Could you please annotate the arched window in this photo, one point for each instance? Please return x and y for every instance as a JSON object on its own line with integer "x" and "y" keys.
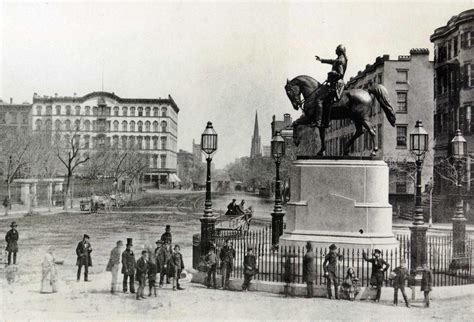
{"x": 78, "y": 110}
{"x": 39, "y": 125}
{"x": 140, "y": 126}
{"x": 88, "y": 110}
{"x": 140, "y": 111}
{"x": 155, "y": 161}
{"x": 124, "y": 111}
{"x": 124, "y": 126}
{"x": 147, "y": 111}
{"x": 94, "y": 110}
{"x": 116, "y": 126}
{"x": 58, "y": 109}
{"x": 68, "y": 110}
{"x": 116, "y": 111}
{"x": 87, "y": 140}
{"x": 140, "y": 142}
{"x": 87, "y": 125}
{"x": 77, "y": 125}
{"x": 57, "y": 125}
{"x": 67, "y": 125}
{"x": 38, "y": 109}
{"x": 94, "y": 126}
{"x": 163, "y": 161}
{"x": 147, "y": 143}
{"x": 48, "y": 125}
{"x": 155, "y": 111}
{"x": 155, "y": 126}
{"x": 132, "y": 126}
{"x": 147, "y": 126}
{"x": 164, "y": 111}
{"x": 49, "y": 110}
{"x": 132, "y": 111}
{"x": 131, "y": 141}
{"x": 13, "y": 117}
{"x": 115, "y": 141}
{"x": 163, "y": 142}
{"x": 163, "y": 126}
{"x": 155, "y": 143}
{"x": 124, "y": 142}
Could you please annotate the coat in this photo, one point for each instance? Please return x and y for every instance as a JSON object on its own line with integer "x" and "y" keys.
{"x": 128, "y": 262}
{"x": 338, "y": 65}
{"x": 163, "y": 259}
{"x": 309, "y": 267}
{"x": 379, "y": 266}
{"x": 141, "y": 268}
{"x": 152, "y": 270}
{"x": 211, "y": 261}
{"x": 250, "y": 265}
{"x": 227, "y": 256}
{"x": 330, "y": 262}
{"x": 400, "y": 277}
{"x": 114, "y": 259}
{"x": 12, "y": 240}
{"x": 83, "y": 252}
{"x": 426, "y": 280}
{"x": 176, "y": 263}
{"x": 166, "y": 237}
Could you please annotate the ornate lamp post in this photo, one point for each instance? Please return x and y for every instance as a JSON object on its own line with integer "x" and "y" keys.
{"x": 459, "y": 148}
{"x": 278, "y": 151}
{"x": 208, "y": 146}
{"x": 418, "y": 148}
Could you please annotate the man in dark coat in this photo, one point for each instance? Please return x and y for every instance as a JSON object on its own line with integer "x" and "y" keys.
{"x": 163, "y": 259}
{"x": 329, "y": 266}
{"x": 426, "y": 283}
{"x": 141, "y": 271}
{"x": 12, "y": 243}
{"x": 211, "y": 263}
{"x": 379, "y": 267}
{"x": 250, "y": 268}
{"x": 398, "y": 282}
{"x": 83, "y": 252}
{"x": 128, "y": 267}
{"x": 166, "y": 236}
{"x": 227, "y": 256}
{"x": 176, "y": 267}
{"x": 231, "y": 208}
{"x": 309, "y": 269}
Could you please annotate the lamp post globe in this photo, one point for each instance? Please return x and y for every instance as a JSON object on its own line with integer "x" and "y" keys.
{"x": 278, "y": 151}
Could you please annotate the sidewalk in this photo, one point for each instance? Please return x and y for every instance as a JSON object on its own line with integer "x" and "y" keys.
{"x": 403, "y": 224}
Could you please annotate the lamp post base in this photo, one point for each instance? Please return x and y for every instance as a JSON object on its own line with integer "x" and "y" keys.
{"x": 277, "y": 226}
{"x": 207, "y": 233}
{"x": 459, "y": 247}
{"x": 418, "y": 248}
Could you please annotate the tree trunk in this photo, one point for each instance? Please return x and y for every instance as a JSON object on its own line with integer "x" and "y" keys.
{"x": 9, "y": 194}
{"x": 66, "y": 191}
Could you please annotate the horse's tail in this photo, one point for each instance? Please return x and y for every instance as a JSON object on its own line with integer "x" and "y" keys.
{"x": 381, "y": 94}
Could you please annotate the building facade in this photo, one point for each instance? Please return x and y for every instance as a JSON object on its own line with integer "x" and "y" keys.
{"x": 453, "y": 90}
{"x": 256, "y": 144}
{"x": 409, "y": 83}
{"x": 15, "y": 116}
{"x": 103, "y": 118}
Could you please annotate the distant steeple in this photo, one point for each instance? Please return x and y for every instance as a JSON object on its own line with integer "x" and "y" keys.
{"x": 256, "y": 148}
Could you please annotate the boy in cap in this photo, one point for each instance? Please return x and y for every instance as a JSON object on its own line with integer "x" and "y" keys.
{"x": 329, "y": 266}
{"x": 142, "y": 269}
{"x": 250, "y": 268}
{"x": 426, "y": 283}
{"x": 398, "y": 282}
{"x": 128, "y": 267}
{"x": 113, "y": 265}
{"x": 83, "y": 252}
{"x": 379, "y": 267}
{"x": 176, "y": 266}
{"x": 12, "y": 242}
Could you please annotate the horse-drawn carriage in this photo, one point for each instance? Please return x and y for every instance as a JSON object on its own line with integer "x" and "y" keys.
{"x": 103, "y": 203}
{"x": 238, "y": 222}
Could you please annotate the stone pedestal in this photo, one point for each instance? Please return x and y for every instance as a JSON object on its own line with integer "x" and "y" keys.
{"x": 341, "y": 201}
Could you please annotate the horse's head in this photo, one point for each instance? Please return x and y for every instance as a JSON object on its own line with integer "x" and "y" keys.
{"x": 294, "y": 94}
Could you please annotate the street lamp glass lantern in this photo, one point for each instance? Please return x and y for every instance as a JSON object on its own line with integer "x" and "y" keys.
{"x": 209, "y": 140}
{"x": 278, "y": 146}
{"x": 419, "y": 140}
{"x": 459, "y": 145}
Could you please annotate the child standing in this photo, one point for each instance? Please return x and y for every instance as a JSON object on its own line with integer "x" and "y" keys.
{"x": 250, "y": 268}
{"x": 152, "y": 271}
{"x": 350, "y": 287}
{"x": 211, "y": 263}
{"x": 426, "y": 283}
{"x": 398, "y": 282}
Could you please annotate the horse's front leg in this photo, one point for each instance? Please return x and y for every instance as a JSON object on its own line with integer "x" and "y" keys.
{"x": 322, "y": 138}
{"x": 370, "y": 129}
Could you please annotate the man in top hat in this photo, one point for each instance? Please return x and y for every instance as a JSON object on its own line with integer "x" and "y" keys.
{"x": 329, "y": 266}
{"x": 83, "y": 252}
{"x": 309, "y": 269}
{"x": 128, "y": 267}
{"x": 379, "y": 266}
{"x": 142, "y": 269}
{"x": 113, "y": 265}
{"x": 166, "y": 237}
{"x": 250, "y": 268}
{"x": 12, "y": 242}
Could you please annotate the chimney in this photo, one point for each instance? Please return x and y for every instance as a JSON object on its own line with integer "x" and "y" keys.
{"x": 55, "y": 94}
{"x": 75, "y": 94}
{"x": 287, "y": 119}
{"x": 11, "y": 100}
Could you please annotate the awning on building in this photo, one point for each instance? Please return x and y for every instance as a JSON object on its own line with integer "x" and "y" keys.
{"x": 174, "y": 178}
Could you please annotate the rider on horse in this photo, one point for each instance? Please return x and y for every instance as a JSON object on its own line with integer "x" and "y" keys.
{"x": 333, "y": 88}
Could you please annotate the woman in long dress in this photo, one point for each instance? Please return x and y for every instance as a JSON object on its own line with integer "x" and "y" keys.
{"x": 49, "y": 272}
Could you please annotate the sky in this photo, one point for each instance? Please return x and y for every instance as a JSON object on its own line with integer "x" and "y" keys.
{"x": 220, "y": 61}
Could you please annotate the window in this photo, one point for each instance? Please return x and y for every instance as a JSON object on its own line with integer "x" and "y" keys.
{"x": 449, "y": 49}
{"x": 115, "y": 141}
{"x": 470, "y": 75}
{"x": 38, "y": 125}
{"x": 131, "y": 141}
{"x": 124, "y": 126}
{"x": 67, "y": 125}
{"x": 163, "y": 161}
{"x": 402, "y": 102}
{"x": 57, "y": 125}
{"x": 116, "y": 126}
{"x": 38, "y": 110}
{"x": 124, "y": 142}
{"x": 163, "y": 142}
{"x": 68, "y": 110}
{"x": 13, "y": 117}
{"x": 147, "y": 143}
{"x": 94, "y": 126}
{"x": 147, "y": 126}
{"x": 58, "y": 109}
{"x": 48, "y": 125}
{"x": 3, "y": 120}
{"x": 155, "y": 111}
{"x": 140, "y": 142}
{"x": 124, "y": 111}
{"x": 25, "y": 118}
{"x": 132, "y": 111}
{"x": 94, "y": 110}
{"x": 87, "y": 125}
{"x": 88, "y": 110}
{"x": 164, "y": 111}
{"x": 455, "y": 46}
{"x": 401, "y": 136}
{"x": 132, "y": 126}
{"x": 147, "y": 111}
{"x": 402, "y": 76}
{"x": 49, "y": 110}
{"x": 87, "y": 140}
{"x": 78, "y": 110}
{"x": 155, "y": 126}
{"x": 116, "y": 111}
{"x": 163, "y": 126}
{"x": 140, "y": 126}
{"x": 155, "y": 143}
{"x": 155, "y": 161}
{"x": 77, "y": 125}
{"x": 140, "y": 111}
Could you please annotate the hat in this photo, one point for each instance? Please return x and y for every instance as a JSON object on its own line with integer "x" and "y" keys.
{"x": 177, "y": 246}
{"x": 13, "y": 224}
{"x": 333, "y": 246}
{"x": 168, "y": 226}
{"x": 85, "y": 236}
{"x": 249, "y": 248}
{"x": 129, "y": 242}
{"x": 144, "y": 252}
{"x": 377, "y": 251}
{"x": 233, "y": 200}
{"x": 309, "y": 245}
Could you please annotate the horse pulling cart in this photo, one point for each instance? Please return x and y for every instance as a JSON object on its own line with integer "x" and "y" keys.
{"x": 102, "y": 203}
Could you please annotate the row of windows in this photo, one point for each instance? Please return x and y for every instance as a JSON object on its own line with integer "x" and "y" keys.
{"x": 102, "y": 126}
{"x": 124, "y": 142}
{"x": 450, "y": 48}
{"x": 126, "y": 111}
{"x": 12, "y": 118}
{"x": 449, "y": 122}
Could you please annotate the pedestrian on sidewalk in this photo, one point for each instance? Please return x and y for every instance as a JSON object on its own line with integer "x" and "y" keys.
{"x": 166, "y": 237}
{"x": 379, "y": 267}
{"x": 11, "y": 238}
{"x": 350, "y": 287}
{"x": 329, "y": 266}
{"x": 250, "y": 268}
{"x": 211, "y": 263}
{"x": 426, "y": 283}
{"x": 49, "y": 272}
{"x": 113, "y": 265}
{"x": 309, "y": 269}
{"x": 398, "y": 282}
{"x": 142, "y": 269}
{"x": 152, "y": 271}
{"x": 227, "y": 255}
{"x": 83, "y": 252}
{"x": 128, "y": 267}
{"x": 176, "y": 267}
{"x": 164, "y": 257}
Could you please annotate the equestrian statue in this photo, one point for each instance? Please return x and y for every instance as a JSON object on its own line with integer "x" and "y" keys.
{"x": 330, "y": 101}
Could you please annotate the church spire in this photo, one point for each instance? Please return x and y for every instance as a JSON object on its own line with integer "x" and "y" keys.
{"x": 256, "y": 148}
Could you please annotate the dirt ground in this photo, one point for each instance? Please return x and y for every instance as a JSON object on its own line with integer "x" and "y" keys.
{"x": 93, "y": 301}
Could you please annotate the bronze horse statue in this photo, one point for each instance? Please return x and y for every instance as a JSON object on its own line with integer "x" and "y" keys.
{"x": 355, "y": 104}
